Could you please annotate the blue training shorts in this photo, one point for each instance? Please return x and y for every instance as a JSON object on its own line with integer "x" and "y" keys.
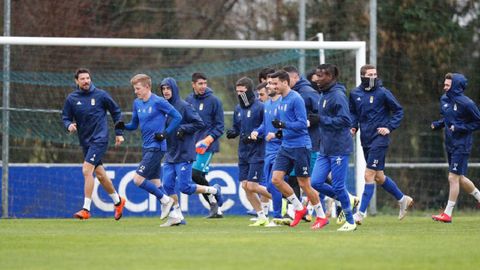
{"x": 202, "y": 162}
{"x": 252, "y": 172}
{"x": 150, "y": 165}
{"x": 458, "y": 163}
{"x": 375, "y": 157}
{"x": 94, "y": 152}
{"x": 293, "y": 158}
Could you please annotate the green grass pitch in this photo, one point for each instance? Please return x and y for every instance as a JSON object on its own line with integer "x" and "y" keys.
{"x": 382, "y": 242}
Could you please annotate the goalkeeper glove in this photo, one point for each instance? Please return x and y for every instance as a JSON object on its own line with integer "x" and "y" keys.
{"x": 202, "y": 146}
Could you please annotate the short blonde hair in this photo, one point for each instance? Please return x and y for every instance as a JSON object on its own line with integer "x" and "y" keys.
{"x": 144, "y": 79}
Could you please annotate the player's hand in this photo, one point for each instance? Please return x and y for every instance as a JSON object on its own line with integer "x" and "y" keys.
{"x": 231, "y": 134}
{"x": 279, "y": 134}
{"x": 180, "y": 133}
{"x": 160, "y": 136}
{"x": 383, "y": 131}
{"x": 120, "y": 125}
{"x": 278, "y": 124}
{"x": 254, "y": 135}
{"x": 119, "y": 140}
{"x": 247, "y": 140}
{"x": 72, "y": 128}
{"x": 353, "y": 131}
{"x": 314, "y": 119}
{"x": 270, "y": 136}
{"x": 432, "y": 126}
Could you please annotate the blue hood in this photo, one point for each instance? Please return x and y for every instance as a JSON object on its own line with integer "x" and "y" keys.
{"x": 459, "y": 83}
{"x": 173, "y": 85}
{"x": 301, "y": 83}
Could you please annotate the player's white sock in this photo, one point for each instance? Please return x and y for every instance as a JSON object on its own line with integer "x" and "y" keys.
{"x": 265, "y": 207}
{"x": 449, "y": 208}
{"x": 115, "y": 197}
{"x": 210, "y": 190}
{"x": 165, "y": 199}
{"x": 261, "y": 215}
{"x": 297, "y": 205}
{"x": 476, "y": 194}
{"x": 319, "y": 210}
{"x": 402, "y": 199}
{"x": 86, "y": 203}
{"x": 212, "y": 199}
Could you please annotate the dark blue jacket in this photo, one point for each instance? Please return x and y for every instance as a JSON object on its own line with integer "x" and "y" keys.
{"x": 460, "y": 112}
{"x": 311, "y": 98}
{"x": 335, "y": 137}
{"x": 89, "y": 110}
{"x": 182, "y": 149}
{"x": 245, "y": 120}
{"x": 210, "y": 109}
{"x": 373, "y": 109}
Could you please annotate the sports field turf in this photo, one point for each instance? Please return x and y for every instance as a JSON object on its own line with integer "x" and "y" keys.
{"x": 139, "y": 243}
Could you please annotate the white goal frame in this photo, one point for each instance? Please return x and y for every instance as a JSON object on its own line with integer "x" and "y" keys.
{"x": 359, "y": 47}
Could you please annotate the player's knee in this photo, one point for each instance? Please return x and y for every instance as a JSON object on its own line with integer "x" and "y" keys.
{"x": 187, "y": 189}
{"x": 138, "y": 180}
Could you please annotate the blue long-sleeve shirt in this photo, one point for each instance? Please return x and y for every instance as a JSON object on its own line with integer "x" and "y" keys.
{"x": 88, "y": 109}
{"x": 245, "y": 120}
{"x": 210, "y": 109}
{"x": 293, "y": 114}
{"x": 462, "y": 113}
{"x": 311, "y": 98}
{"x": 373, "y": 109}
{"x": 151, "y": 116}
{"x": 270, "y": 112}
{"x": 335, "y": 122}
{"x": 182, "y": 149}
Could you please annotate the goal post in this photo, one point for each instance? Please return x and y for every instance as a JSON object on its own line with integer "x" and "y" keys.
{"x": 358, "y": 47}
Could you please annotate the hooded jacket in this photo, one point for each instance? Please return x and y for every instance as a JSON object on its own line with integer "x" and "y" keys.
{"x": 335, "y": 138}
{"x": 182, "y": 149}
{"x": 210, "y": 109}
{"x": 245, "y": 120}
{"x": 311, "y": 98}
{"x": 373, "y": 109}
{"x": 461, "y": 113}
{"x": 88, "y": 109}
{"x": 293, "y": 114}
{"x": 270, "y": 112}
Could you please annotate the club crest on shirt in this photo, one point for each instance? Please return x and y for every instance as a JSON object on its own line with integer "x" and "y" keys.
{"x": 455, "y": 106}
{"x": 200, "y": 107}
{"x": 92, "y": 101}
{"x": 79, "y": 103}
{"x": 338, "y": 160}
{"x": 371, "y": 99}
{"x": 249, "y": 113}
{"x": 150, "y": 109}
{"x": 324, "y": 103}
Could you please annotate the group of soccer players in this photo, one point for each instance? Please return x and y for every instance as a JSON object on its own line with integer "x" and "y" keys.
{"x": 295, "y": 137}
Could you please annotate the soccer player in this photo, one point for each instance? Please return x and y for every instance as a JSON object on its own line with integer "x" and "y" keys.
{"x": 294, "y": 152}
{"x": 85, "y": 112}
{"x": 150, "y": 112}
{"x": 336, "y": 142}
{"x": 460, "y": 117}
{"x": 247, "y": 116}
{"x": 210, "y": 109}
{"x": 377, "y": 113}
{"x": 181, "y": 153}
{"x": 272, "y": 137}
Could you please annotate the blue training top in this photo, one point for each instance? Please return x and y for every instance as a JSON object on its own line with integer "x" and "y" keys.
{"x": 293, "y": 114}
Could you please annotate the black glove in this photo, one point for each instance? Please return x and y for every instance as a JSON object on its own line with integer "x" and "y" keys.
{"x": 278, "y": 124}
{"x": 180, "y": 133}
{"x": 160, "y": 136}
{"x": 231, "y": 134}
{"x": 120, "y": 125}
{"x": 247, "y": 140}
{"x": 279, "y": 134}
{"x": 314, "y": 119}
